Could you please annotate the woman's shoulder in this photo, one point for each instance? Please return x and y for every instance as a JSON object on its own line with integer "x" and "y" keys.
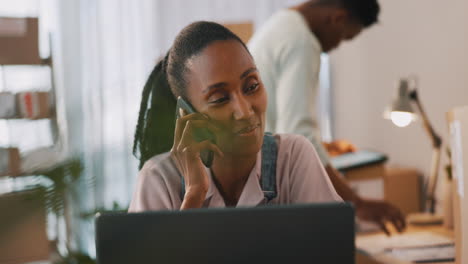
{"x": 292, "y": 141}
{"x": 294, "y": 147}
{"x": 161, "y": 166}
{"x": 158, "y": 185}
{"x": 163, "y": 159}
{"x": 301, "y": 171}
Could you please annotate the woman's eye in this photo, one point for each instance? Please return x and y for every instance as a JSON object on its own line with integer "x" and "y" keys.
{"x": 252, "y": 88}
{"x": 218, "y": 100}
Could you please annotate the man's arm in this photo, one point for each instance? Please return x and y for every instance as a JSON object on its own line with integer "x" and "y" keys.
{"x": 379, "y": 212}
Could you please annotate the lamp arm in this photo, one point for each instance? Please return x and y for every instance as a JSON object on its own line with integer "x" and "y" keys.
{"x": 435, "y": 138}
{"x": 435, "y": 164}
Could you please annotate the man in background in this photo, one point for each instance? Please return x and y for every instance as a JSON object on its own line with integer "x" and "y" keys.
{"x": 287, "y": 51}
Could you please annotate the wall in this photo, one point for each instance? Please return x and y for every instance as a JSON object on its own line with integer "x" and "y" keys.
{"x": 428, "y": 38}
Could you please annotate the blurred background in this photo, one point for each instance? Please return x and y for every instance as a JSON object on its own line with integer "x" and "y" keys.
{"x": 93, "y": 58}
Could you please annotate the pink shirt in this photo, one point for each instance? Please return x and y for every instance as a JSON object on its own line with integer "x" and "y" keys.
{"x": 300, "y": 178}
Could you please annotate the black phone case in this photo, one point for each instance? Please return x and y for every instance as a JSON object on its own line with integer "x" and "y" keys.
{"x": 200, "y": 135}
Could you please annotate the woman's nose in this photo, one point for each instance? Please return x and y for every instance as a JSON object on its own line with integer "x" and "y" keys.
{"x": 242, "y": 108}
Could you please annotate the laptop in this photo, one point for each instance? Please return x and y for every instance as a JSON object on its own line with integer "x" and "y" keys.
{"x": 312, "y": 233}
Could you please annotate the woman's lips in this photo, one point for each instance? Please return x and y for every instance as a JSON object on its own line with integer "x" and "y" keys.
{"x": 248, "y": 131}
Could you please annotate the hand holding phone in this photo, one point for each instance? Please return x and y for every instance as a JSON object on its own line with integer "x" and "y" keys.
{"x": 193, "y": 149}
{"x": 199, "y": 134}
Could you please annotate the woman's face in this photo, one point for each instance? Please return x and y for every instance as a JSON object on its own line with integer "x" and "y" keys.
{"x": 224, "y": 83}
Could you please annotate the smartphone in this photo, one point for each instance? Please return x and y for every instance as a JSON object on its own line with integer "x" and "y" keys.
{"x": 200, "y": 135}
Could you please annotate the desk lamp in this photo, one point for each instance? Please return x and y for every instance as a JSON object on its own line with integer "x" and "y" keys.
{"x": 401, "y": 113}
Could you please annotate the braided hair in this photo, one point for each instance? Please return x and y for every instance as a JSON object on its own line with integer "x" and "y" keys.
{"x": 154, "y": 132}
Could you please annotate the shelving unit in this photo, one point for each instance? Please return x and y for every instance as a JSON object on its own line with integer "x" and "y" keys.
{"x": 19, "y": 45}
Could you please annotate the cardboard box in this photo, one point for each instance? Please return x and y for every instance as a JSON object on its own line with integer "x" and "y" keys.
{"x": 375, "y": 171}
{"x": 243, "y": 30}
{"x": 403, "y": 188}
{"x": 458, "y": 127}
{"x": 19, "y": 41}
{"x": 7, "y": 105}
{"x": 23, "y": 236}
{"x": 33, "y": 105}
{"x": 10, "y": 162}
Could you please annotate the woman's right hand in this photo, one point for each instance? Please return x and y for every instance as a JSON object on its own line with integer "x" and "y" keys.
{"x": 186, "y": 154}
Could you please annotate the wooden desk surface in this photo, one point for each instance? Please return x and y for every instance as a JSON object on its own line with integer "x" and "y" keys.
{"x": 362, "y": 258}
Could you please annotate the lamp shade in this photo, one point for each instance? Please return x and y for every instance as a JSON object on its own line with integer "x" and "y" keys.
{"x": 400, "y": 111}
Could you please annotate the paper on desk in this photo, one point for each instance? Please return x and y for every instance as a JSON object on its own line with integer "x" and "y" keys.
{"x": 422, "y": 254}
{"x": 375, "y": 244}
{"x": 457, "y": 155}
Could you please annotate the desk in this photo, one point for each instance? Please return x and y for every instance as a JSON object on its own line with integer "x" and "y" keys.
{"x": 362, "y": 258}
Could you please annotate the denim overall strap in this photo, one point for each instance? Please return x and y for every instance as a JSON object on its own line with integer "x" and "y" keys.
{"x": 268, "y": 171}
{"x": 182, "y": 189}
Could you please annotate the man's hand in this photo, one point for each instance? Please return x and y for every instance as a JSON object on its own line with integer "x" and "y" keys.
{"x": 339, "y": 147}
{"x": 376, "y": 211}
{"x": 380, "y": 212}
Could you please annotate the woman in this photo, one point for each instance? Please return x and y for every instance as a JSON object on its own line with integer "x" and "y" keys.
{"x": 211, "y": 68}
